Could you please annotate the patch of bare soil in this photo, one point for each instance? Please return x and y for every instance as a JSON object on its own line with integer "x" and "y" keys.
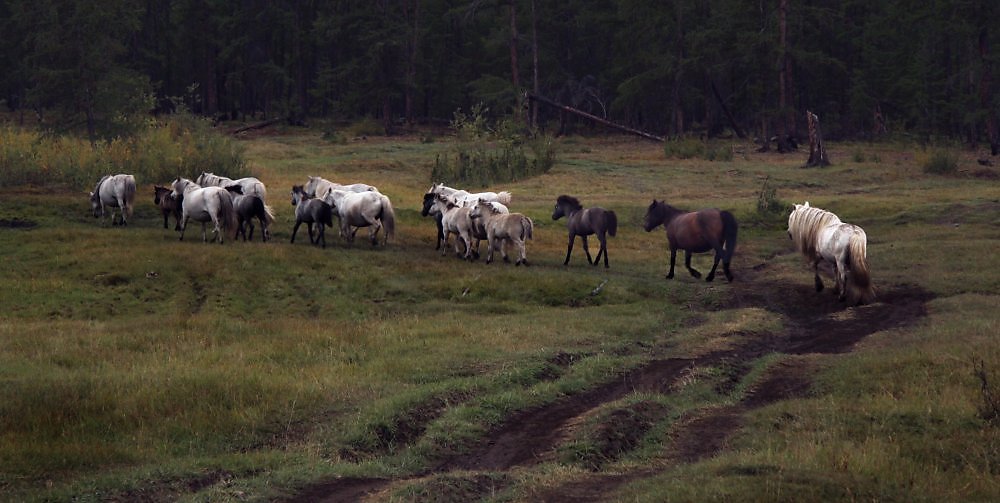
{"x": 816, "y": 323}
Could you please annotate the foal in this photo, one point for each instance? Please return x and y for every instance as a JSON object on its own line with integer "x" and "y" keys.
{"x": 584, "y": 222}
{"x": 168, "y": 205}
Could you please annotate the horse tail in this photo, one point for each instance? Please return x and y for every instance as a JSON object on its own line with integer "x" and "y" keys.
{"x": 228, "y": 213}
{"x": 612, "y": 222}
{"x": 388, "y": 219}
{"x": 268, "y": 213}
{"x": 729, "y": 231}
{"x": 526, "y": 227}
{"x": 129, "y": 196}
{"x": 859, "y": 283}
{"x": 503, "y": 197}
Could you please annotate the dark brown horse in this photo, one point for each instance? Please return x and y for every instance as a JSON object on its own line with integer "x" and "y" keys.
{"x": 584, "y": 222}
{"x": 167, "y": 205}
{"x": 695, "y": 232}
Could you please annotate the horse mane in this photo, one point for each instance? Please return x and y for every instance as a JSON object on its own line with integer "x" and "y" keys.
{"x": 804, "y": 225}
{"x": 97, "y": 187}
{"x": 570, "y": 201}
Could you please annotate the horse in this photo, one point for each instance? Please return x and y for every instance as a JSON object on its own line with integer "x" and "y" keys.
{"x": 584, "y": 222}
{"x": 247, "y": 208}
{"x": 464, "y": 196}
{"x": 114, "y": 191}
{"x": 363, "y": 209}
{"x": 511, "y": 227}
{"x": 310, "y": 210}
{"x": 455, "y": 219}
{"x": 461, "y": 197}
{"x": 205, "y": 204}
{"x": 167, "y": 205}
{"x": 695, "y": 232}
{"x": 318, "y": 185}
{"x": 250, "y": 185}
{"x": 820, "y": 236}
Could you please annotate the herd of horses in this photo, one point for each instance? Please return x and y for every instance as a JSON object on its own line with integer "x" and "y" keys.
{"x": 231, "y": 206}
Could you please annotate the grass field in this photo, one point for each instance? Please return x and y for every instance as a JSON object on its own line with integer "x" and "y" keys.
{"x": 138, "y": 367}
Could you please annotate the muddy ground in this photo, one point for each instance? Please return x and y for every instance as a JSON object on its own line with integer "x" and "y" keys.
{"x": 815, "y": 323}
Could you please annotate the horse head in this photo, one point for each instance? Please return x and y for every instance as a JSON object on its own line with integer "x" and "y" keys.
{"x": 654, "y": 215}
{"x": 298, "y": 194}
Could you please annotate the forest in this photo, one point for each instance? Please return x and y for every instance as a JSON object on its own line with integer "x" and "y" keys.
{"x": 705, "y": 68}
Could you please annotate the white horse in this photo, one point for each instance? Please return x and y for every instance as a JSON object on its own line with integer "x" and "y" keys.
{"x": 114, "y": 191}
{"x": 820, "y": 236}
{"x": 205, "y": 204}
{"x": 318, "y": 185}
{"x": 250, "y": 185}
{"x": 455, "y": 219}
{"x": 469, "y": 198}
{"x": 363, "y": 209}
{"x": 514, "y": 228}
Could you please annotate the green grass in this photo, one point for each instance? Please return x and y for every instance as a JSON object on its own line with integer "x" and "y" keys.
{"x": 133, "y": 363}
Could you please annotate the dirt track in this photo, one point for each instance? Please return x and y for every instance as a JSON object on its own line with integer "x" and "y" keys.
{"x": 815, "y": 323}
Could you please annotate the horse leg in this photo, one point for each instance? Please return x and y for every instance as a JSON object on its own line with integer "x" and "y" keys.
{"x": 819, "y": 282}
{"x": 184, "y": 227}
{"x": 841, "y": 274}
{"x": 569, "y": 248}
{"x": 309, "y": 227}
{"x": 440, "y": 228}
{"x": 715, "y": 264}
{"x": 165, "y": 215}
{"x": 687, "y": 263}
{"x": 604, "y": 249}
{"x": 321, "y": 234}
{"x": 204, "y": 236}
{"x": 296, "y": 229}
{"x": 522, "y": 254}
{"x": 673, "y": 259}
{"x": 586, "y": 249}
{"x": 490, "y": 242}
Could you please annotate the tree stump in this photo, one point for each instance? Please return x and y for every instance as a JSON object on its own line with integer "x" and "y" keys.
{"x": 817, "y": 152}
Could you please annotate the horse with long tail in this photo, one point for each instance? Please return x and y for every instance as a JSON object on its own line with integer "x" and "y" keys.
{"x": 114, "y": 191}
{"x": 205, "y": 204}
{"x": 820, "y": 236}
{"x": 584, "y": 222}
{"x": 695, "y": 232}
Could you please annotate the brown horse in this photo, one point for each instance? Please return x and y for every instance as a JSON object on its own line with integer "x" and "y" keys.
{"x": 168, "y": 205}
{"x": 584, "y": 222}
{"x": 695, "y": 232}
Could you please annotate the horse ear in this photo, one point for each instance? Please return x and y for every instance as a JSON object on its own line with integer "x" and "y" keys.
{"x": 806, "y": 205}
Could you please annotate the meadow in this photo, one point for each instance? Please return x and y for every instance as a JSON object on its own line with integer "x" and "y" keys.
{"x": 139, "y": 367}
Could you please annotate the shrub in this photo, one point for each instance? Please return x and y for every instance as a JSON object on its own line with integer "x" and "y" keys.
{"x": 366, "y": 127}
{"x": 183, "y": 145}
{"x": 487, "y": 153}
{"x": 684, "y": 148}
{"x": 941, "y": 162}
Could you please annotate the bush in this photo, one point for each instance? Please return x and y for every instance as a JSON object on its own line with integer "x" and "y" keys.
{"x": 684, "y": 148}
{"x": 183, "y": 145}
{"x": 489, "y": 153}
{"x": 941, "y": 162}
{"x": 366, "y": 127}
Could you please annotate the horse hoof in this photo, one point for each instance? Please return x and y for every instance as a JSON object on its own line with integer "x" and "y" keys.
{"x": 670, "y": 276}
{"x": 709, "y": 279}
{"x": 696, "y": 274}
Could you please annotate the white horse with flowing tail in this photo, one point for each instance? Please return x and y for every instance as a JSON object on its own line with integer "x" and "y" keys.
{"x": 820, "y": 236}
{"x": 363, "y": 209}
{"x": 514, "y": 228}
{"x": 322, "y": 186}
{"x": 205, "y": 204}
{"x": 114, "y": 191}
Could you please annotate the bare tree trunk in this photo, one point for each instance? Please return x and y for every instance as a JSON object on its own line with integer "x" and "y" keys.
{"x": 783, "y": 69}
{"x": 411, "y": 57}
{"x": 514, "y": 74}
{"x": 678, "y": 110}
{"x": 534, "y": 64}
{"x": 581, "y": 113}
{"x": 817, "y": 151}
{"x": 986, "y": 91}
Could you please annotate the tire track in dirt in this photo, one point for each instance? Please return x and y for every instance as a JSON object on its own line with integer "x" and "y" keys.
{"x": 815, "y": 323}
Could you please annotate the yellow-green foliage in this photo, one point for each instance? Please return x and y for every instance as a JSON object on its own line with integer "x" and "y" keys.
{"x": 179, "y": 146}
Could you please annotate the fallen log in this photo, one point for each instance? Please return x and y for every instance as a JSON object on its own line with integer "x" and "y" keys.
{"x": 256, "y": 125}
{"x": 581, "y": 113}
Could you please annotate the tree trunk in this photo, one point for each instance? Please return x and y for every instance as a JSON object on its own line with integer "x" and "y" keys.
{"x": 534, "y": 65}
{"x": 677, "y": 124}
{"x": 413, "y": 14}
{"x": 817, "y": 151}
{"x": 564, "y": 108}
{"x": 986, "y": 91}
{"x": 514, "y": 74}
{"x": 725, "y": 110}
{"x": 783, "y": 69}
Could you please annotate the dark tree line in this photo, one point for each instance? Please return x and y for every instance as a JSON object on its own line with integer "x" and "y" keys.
{"x": 672, "y": 68}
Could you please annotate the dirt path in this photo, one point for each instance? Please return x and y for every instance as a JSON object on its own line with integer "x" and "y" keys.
{"x": 815, "y": 323}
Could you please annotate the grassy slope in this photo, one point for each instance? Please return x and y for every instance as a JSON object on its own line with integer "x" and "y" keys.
{"x": 134, "y": 364}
